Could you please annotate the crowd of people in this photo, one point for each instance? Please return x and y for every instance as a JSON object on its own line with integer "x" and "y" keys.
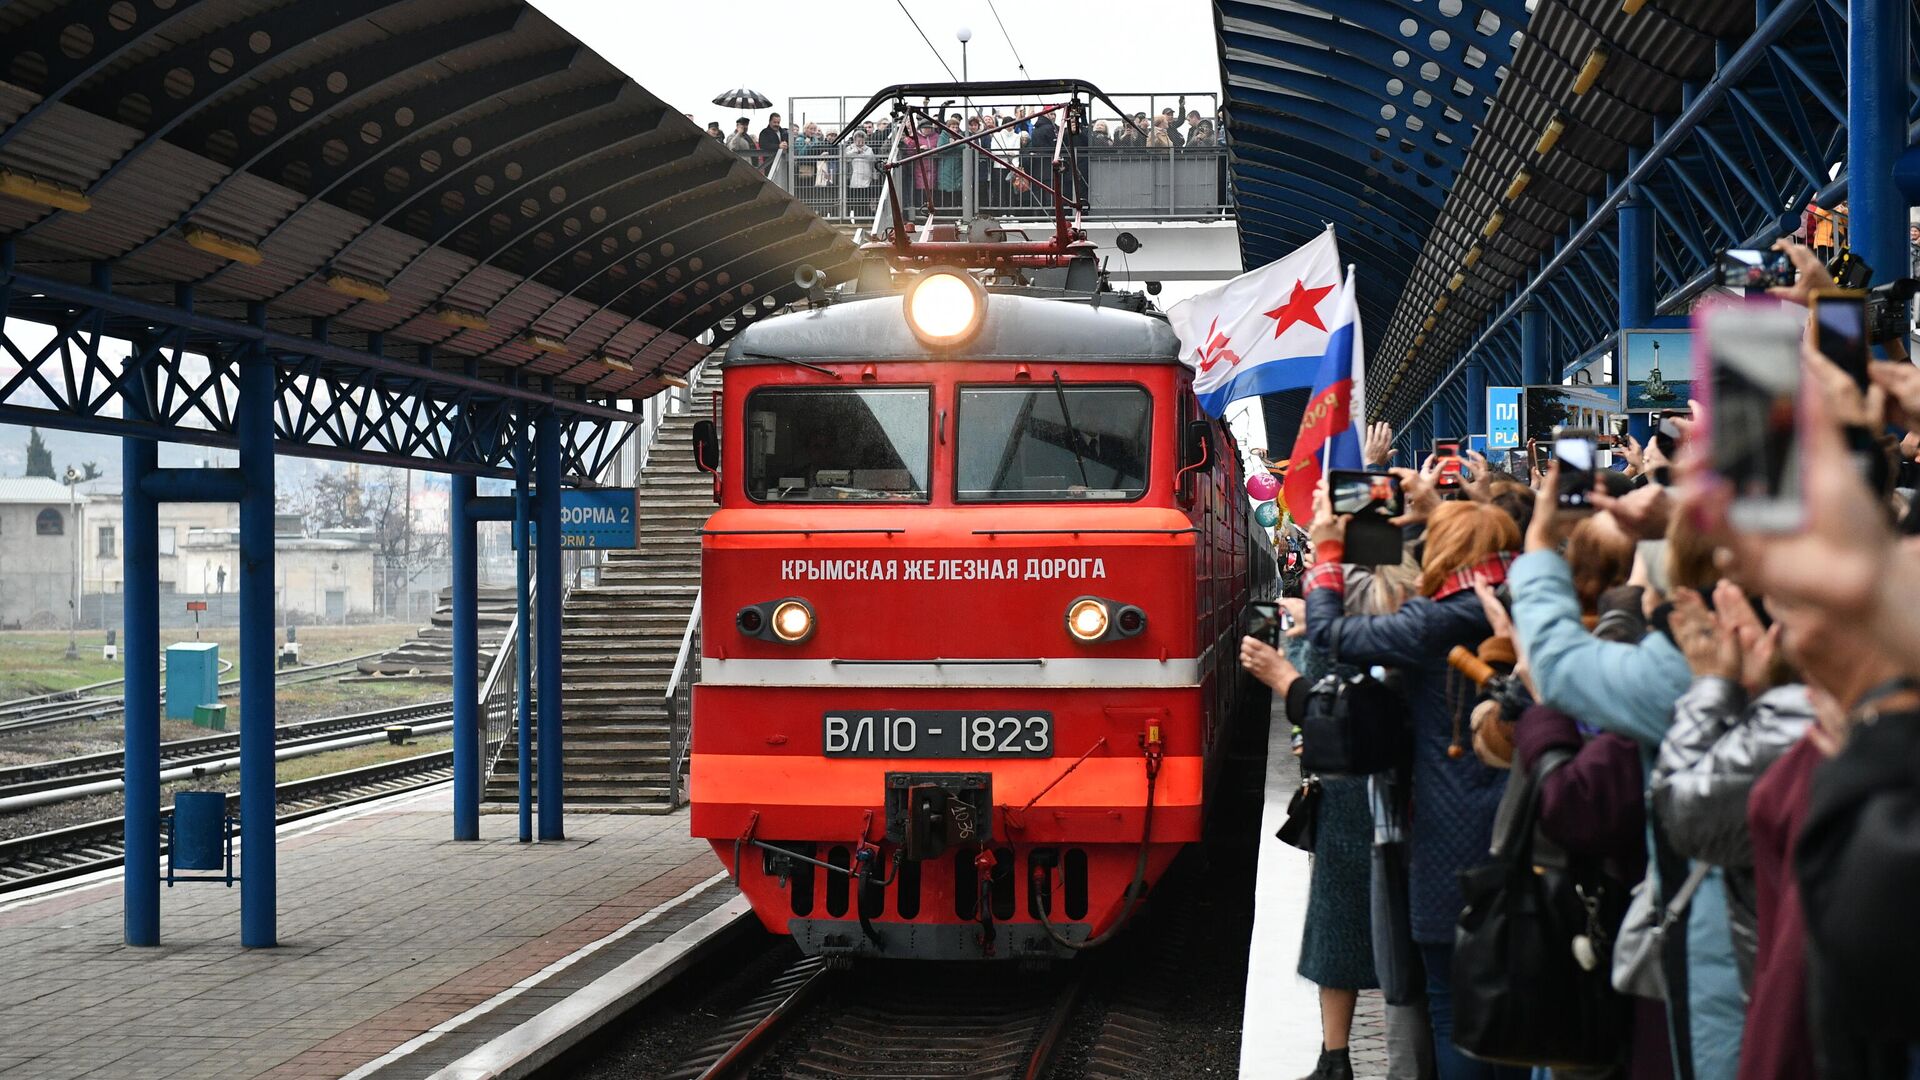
{"x": 1707, "y": 738}
{"x": 1022, "y": 139}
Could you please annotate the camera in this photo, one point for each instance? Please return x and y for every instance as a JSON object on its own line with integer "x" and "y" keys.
{"x": 1507, "y": 690}
{"x": 1890, "y": 309}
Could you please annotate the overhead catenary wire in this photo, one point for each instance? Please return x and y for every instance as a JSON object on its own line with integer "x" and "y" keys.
{"x": 1017, "y": 62}
{"x": 925, "y": 38}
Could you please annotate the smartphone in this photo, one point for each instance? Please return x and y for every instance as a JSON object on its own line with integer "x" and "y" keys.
{"x": 1666, "y": 434}
{"x": 1575, "y": 450}
{"x": 1542, "y": 457}
{"x": 1448, "y": 455}
{"x": 1264, "y": 621}
{"x": 1840, "y": 330}
{"x": 1376, "y": 494}
{"x": 1753, "y": 386}
{"x": 1754, "y": 268}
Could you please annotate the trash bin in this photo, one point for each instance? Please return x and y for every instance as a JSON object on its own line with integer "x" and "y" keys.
{"x": 199, "y": 838}
{"x": 193, "y": 677}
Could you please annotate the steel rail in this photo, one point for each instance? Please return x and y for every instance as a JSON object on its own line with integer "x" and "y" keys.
{"x": 99, "y": 708}
{"x": 96, "y": 845}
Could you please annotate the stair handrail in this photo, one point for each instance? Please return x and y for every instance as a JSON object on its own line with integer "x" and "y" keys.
{"x": 504, "y": 661}
{"x": 678, "y": 686}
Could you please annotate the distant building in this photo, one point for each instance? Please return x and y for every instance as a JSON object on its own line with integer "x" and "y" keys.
{"x": 328, "y": 578}
{"x": 39, "y": 525}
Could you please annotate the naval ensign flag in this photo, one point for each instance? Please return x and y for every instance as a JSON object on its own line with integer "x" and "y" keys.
{"x": 1264, "y": 331}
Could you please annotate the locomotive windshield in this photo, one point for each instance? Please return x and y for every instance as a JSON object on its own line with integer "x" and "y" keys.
{"x": 830, "y": 445}
{"x": 1059, "y": 442}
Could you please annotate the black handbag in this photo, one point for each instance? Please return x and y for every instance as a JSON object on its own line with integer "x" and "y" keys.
{"x": 1531, "y": 953}
{"x": 1354, "y": 725}
{"x": 1302, "y": 826}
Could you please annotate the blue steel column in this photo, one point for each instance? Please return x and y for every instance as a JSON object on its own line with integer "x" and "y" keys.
{"x": 1442, "y": 425}
{"x": 254, "y": 425}
{"x": 1636, "y": 264}
{"x": 523, "y": 600}
{"x": 1878, "y": 39}
{"x": 1476, "y": 396}
{"x": 1535, "y": 368}
{"x": 466, "y": 652}
{"x": 546, "y": 475}
{"x": 140, "y": 653}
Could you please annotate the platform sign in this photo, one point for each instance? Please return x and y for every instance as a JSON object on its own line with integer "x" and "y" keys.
{"x": 597, "y": 518}
{"x": 1503, "y": 417}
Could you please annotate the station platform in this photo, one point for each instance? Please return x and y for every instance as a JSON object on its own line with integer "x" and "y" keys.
{"x": 403, "y": 953}
{"x": 1280, "y": 1023}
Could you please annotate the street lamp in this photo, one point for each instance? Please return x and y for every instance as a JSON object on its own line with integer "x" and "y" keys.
{"x": 969, "y": 200}
{"x": 73, "y": 602}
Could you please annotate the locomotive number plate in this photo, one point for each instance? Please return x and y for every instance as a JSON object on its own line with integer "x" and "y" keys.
{"x": 939, "y": 733}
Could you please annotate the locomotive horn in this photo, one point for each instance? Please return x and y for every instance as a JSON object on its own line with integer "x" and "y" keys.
{"x": 806, "y": 276}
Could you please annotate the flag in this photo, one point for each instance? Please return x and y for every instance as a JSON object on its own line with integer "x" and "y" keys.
{"x": 1265, "y": 330}
{"x": 1336, "y": 413}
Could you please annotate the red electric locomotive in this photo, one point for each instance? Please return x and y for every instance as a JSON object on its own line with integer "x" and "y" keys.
{"x": 970, "y": 603}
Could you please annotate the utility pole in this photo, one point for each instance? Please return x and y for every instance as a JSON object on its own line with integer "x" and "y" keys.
{"x": 970, "y": 194}
{"x": 73, "y": 602}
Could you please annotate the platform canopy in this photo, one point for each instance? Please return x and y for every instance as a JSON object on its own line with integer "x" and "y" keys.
{"x": 458, "y": 182}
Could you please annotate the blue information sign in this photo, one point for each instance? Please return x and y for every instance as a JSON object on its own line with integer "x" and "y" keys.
{"x": 599, "y": 518}
{"x": 1503, "y": 417}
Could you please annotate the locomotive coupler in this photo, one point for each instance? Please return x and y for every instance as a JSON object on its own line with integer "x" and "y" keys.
{"x": 928, "y": 813}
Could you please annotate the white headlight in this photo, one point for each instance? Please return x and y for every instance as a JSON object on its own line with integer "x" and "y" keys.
{"x": 944, "y": 307}
{"x": 792, "y": 621}
{"x": 1087, "y": 620}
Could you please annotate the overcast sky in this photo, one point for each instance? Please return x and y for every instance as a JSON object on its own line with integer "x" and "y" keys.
{"x": 688, "y": 53}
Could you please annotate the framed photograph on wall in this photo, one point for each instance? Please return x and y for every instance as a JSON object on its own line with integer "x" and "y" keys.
{"x": 1659, "y": 365}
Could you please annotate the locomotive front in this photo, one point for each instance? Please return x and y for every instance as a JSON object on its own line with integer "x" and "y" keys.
{"x": 957, "y": 689}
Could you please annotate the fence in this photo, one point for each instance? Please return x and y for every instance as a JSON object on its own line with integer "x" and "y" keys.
{"x": 1119, "y": 182}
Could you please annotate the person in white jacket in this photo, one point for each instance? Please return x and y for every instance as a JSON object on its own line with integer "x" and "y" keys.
{"x": 859, "y": 159}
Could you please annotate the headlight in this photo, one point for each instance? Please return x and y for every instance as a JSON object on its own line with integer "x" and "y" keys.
{"x": 789, "y": 620}
{"x": 792, "y": 621}
{"x": 945, "y": 307}
{"x": 1087, "y": 619}
{"x": 1095, "y": 618}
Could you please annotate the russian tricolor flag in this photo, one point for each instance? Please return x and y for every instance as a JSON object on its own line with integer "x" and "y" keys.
{"x": 1335, "y": 415}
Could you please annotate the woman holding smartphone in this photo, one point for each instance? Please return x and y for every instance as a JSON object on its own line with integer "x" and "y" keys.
{"x": 1454, "y": 795}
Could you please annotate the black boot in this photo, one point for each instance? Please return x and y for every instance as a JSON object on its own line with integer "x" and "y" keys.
{"x": 1333, "y": 1065}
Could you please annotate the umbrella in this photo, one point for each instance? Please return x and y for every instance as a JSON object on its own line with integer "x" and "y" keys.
{"x": 743, "y": 99}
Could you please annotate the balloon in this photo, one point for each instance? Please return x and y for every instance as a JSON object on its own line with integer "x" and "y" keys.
{"x": 1262, "y": 486}
{"x": 1267, "y": 514}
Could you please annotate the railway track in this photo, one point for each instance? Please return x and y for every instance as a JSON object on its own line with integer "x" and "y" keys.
{"x": 87, "y": 703}
{"x": 820, "y": 1021}
{"x": 182, "y": 753}
{"x": 79, "y": 849}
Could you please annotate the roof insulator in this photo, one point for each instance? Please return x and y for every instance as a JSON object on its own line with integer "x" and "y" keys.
{"x": 224, "y": 246}
{"x": 543, "y": 343}
{"x": 357, "y": 287}
{"x": 460, "y": 317}
{"x": 1550, "y": 135}
{"x": 1590, "y": 71}
{"x": 52, "y": 193}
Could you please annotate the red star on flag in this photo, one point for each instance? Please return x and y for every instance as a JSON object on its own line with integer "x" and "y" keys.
{"x": 1299, "y": 308}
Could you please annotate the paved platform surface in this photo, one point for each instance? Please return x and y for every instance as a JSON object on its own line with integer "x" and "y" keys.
{"x": 402, "y": 953}
{"x": 1280, "y": 1026}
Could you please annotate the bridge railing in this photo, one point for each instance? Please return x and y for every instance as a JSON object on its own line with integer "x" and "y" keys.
{"x": 1120, "y": 183}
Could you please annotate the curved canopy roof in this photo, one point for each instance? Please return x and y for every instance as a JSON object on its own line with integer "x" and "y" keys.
{"x": 460, "y": 174}
{"x": 1359, "y": 113}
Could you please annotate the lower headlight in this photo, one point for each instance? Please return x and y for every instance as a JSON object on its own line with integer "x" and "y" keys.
{"x": 792, "y": 621}
{"x": 1087, "y": 619}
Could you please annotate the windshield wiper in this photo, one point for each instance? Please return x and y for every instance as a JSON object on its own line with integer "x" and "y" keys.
{"x": 798, "y": 363}
{"x": 1073, "y": 433}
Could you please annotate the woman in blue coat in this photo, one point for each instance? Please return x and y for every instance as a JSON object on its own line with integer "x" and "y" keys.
{"x": 1454, "y": 795}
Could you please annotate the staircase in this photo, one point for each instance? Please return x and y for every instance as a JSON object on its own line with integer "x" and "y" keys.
{"x": 622, "y": 635}
{"x": 429, "y": 653}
